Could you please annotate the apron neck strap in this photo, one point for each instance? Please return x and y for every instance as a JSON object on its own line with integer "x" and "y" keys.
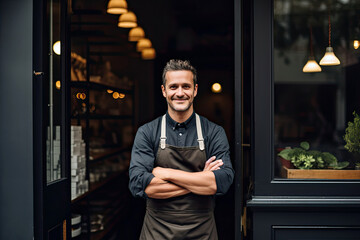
{"x": 163, "y": 133}
{"x": 199, "y": 133}
{"x": 198, "y": 129}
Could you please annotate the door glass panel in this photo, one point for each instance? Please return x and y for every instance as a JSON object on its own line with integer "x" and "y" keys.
{"x": 53, "y": 142}
{"x": 315, "y": 96}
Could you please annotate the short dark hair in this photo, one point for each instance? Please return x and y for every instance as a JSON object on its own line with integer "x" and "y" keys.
{"x": 178, "y": 65}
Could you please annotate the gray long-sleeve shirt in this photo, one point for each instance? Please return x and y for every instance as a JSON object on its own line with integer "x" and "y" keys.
{"x": 146, "y": 145}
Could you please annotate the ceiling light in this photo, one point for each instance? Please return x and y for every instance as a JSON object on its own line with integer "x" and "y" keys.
{"x": 148, "y": 53}
{"x": 136, "y": 34}
{"x": 142, "y": 44}
{"x": 127, "y": 20}
{"x": 329, "y": 58}
{"x": 117, "y": 7}
{"x": 311, "y": 65}
{"x": 57, "y": 47}
{"x": 58, "y": 85}
{"x": 216, "y": 88}
{"x": 356, "y": 44}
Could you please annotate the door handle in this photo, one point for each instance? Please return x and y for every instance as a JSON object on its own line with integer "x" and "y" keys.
{"x": 38, "y": 73}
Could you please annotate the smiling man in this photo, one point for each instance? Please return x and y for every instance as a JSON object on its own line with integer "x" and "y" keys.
{"x": 179, "y": 162}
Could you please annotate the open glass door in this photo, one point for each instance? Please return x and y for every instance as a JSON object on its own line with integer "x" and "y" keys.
{"x": 51, "y": 181}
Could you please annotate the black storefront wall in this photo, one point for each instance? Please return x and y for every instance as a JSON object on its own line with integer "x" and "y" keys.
{"x": 16, "y": 124}
{"x": 283, "y": 209}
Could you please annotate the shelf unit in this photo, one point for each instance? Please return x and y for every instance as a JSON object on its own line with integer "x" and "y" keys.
{"x": 113, "y": 154}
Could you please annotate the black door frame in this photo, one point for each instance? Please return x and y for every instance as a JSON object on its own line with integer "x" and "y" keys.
{"x": 238, "y": 78}
{"x": 51, "y": 201}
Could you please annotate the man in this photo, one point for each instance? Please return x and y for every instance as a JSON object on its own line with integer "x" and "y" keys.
{"x": 179, "y": 162}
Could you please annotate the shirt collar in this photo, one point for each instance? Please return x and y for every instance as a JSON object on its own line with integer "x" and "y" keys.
{"x": 175, "y": 125}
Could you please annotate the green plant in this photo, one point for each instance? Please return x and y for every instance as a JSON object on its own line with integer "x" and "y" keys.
{"x": 303, "y": 158}
{"x": 352, "y": 135}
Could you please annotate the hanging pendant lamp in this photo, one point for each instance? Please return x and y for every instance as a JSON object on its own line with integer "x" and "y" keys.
{"x": 329, "y": 58}
{"x": 127, "y": 20}
{"x": 117, "y": 7}
{"x": 143, "y": 44}
{"x": 148, "y": 53}
{"x": 136, "y": 34}
{"x": 311, "y": 65}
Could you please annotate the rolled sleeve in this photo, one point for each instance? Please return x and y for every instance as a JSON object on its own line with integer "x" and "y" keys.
{"x": 220, "y": 148}
{"x": 141, "y": 164}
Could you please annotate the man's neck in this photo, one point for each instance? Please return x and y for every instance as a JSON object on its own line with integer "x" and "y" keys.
{"x": 180, "y": 117}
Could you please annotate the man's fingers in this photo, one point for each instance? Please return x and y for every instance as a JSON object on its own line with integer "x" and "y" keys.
{"x": 216, "y": 165}
{"x": 208, "y": 162}
{"x": 215, "y": 162}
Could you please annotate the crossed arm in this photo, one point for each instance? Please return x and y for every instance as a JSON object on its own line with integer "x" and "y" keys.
{"x": 169, "y": 182}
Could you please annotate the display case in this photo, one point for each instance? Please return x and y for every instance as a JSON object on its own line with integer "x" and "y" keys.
{"x": 102, "y": 122}
{"x": 302, "y": 115}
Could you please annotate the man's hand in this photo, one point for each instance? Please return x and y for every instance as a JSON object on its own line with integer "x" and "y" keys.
{"x": 160, "y": 172}
{"x": 212, "y": 164}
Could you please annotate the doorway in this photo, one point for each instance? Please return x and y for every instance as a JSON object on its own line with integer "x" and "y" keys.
{"x": 200, "y": 31}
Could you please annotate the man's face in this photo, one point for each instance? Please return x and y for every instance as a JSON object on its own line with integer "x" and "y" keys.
{"x": 179, "y": 90}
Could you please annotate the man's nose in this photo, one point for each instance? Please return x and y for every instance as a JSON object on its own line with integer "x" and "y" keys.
{"x": 180, "y": 91}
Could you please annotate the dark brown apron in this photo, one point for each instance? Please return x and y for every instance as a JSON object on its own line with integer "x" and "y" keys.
{"x": 189, "y": 216}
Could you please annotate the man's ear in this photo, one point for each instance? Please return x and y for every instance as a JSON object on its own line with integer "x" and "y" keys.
{"x": 163, "y": 91}
{"x": 195, "y": 90}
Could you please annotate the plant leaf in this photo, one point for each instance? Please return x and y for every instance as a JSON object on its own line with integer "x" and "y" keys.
{"x": 305, "y": 145}
{"x": 329, "y": 159}
{"x": 341, "y": 165}
{"x": 285, "y": 153}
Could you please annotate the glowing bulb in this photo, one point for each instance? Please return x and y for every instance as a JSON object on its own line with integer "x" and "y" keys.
{"x": 329, "y": 58}
{"x": 311, "y": 66}
{"x": 58, "y": 85}
{"x": 109, "y": 91}
{"x": 57, "y": 47}
{"x": 78, "y": 95}
{"x": 116, "y": 95}
{"x": 121, "y": 95}
{"x": 216, "y": 88}
{"x": 83, "y": 96}
{"x": 356, "y": 44}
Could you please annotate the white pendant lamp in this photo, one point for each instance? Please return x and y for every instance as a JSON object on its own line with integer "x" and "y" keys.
{"x": 127, "y": 20}
{"x": 117, "y": 7}
{"x": 136, "y": 34}
{"x": 311, "y": 65}
{"x": 329, "y": 58}
{"x": 148, "y": 53}
{"x": 142, "y": 44}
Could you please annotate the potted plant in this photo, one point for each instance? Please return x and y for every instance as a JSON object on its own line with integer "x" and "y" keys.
{"x": 304, "y": 158}
{"x": 352, "y": 138}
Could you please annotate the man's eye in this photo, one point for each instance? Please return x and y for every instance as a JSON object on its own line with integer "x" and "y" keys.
{"x": 172, "y": 87}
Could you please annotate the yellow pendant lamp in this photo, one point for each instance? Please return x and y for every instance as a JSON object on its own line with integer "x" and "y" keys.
{"x": 329, "y": 58}
{"x": 148, "y": 53}
{"x": 311, "y": 65}
{"x": 127, "y": 20}
{"x": 136, "y": 34}
{"x": 117, "y": 7}
{"x": 143, "y": 44}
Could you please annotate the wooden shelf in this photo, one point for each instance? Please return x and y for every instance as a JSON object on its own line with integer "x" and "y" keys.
{"x": 101, "y": 116}
{"x": 319, "y": 173}
{"x": 98, "y": 86}
{"x": 107, "y": 153}
{"x": 95, "y": 186}
{"x": 111, "y": 222}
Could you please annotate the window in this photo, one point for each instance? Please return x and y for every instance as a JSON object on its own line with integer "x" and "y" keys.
{"x": 313, "y": 104}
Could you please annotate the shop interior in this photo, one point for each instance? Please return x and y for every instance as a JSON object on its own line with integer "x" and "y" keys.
{"x": 115, "y": 88}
